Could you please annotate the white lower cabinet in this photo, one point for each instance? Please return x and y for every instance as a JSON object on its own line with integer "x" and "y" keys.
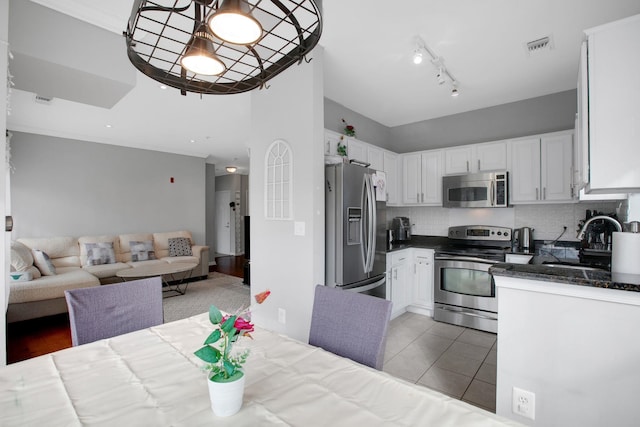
{"x": 422, "y": 284}
{"x": 399, "y": 280}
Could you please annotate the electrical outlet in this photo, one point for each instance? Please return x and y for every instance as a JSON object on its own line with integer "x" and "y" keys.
{"x": 282, "y": 315}
{"x": 524, "y": 403}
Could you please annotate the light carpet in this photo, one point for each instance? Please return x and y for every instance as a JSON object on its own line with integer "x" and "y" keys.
{"x": 228, "y": 293}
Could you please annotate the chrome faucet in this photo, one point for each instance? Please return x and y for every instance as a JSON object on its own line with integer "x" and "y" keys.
{"x": 606, "y": 218}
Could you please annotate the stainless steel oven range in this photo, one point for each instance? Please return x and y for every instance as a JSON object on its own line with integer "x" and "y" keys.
{"x": 464, "y": 291}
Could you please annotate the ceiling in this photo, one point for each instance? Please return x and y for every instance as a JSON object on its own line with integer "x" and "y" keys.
{"x": 368, "y": 49}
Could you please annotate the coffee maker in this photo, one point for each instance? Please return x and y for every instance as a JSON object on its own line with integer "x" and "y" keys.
{"x": 523, "y": 240}
{"x": 401, "y": 229}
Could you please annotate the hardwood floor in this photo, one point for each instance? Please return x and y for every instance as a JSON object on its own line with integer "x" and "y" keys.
{"x": 36, "y": 337}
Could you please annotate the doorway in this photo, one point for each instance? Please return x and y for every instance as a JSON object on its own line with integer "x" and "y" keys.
{"x": 225, "y": 228}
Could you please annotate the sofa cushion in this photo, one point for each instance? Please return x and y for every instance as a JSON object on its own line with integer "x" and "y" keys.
{"x": 142, "y": 250}
{"x": 175, "y": 259}
{"x": 161, "y": 241}
{"x": 179, "y": 246}
{"x": 102, "y": 271}
{"x": 100, "y": 253}
{"x": 63, "y": 251}
{"x": 51, "y": 287}
{"x": 82, "y": 241}
{"x": 43, "y": 262}
{"x": 124, "y": 254}
{"x": 21, "y": 257}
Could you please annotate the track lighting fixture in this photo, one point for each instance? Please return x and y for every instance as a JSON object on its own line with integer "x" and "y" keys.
{"x": 417, "y": 56}
{"x": 442, "y": 74}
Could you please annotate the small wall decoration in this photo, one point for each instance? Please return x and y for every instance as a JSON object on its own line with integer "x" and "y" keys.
{"x": 348, "y": 129}
{"x": 278, "y": 181}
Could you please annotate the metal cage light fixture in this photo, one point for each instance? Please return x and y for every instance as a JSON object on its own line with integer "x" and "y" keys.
{"x": 197, "y": 46}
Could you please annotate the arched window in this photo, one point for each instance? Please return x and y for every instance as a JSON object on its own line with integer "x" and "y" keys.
{"x": 278, "y": 185}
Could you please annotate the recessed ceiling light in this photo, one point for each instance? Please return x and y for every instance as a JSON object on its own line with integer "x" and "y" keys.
{"x": 163, "y": 87}
{"x": 192, "y": 140}
{"x": 108, "y": 126}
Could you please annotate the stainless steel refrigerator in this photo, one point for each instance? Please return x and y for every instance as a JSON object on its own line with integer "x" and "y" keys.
{"x": 355, "y": 226}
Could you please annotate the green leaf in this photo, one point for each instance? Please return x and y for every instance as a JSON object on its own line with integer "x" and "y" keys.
{"x": 208, "y": 354}
{"x": 214, "y": 337}
{"x": 227, "y": 326}
{"x": 229, "y": 367}
{"x": 214, "y": 315}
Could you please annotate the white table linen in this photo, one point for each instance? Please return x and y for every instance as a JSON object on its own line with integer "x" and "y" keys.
{"x": 152, "y": 378}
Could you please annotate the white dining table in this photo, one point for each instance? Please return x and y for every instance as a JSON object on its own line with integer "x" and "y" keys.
{"x": 151, "y": 378}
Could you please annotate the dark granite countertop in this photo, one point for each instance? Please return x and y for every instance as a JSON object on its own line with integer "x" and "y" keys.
{"x": 572, "y": 276}
{"x": 420, "y": 242}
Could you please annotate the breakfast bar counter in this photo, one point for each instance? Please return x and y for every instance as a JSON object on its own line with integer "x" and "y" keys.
{"x": 152, "y": 378}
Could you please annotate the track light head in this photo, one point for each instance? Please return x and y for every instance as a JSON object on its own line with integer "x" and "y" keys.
{"x": 417, "y": 56}
{"x": 455, "y": 92}
{"x": 440, "y": 76}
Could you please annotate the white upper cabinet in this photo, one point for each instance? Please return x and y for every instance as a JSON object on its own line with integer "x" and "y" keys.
{"x": 541, "y": 169}
{"x": 391, "y": 170}
{"x": 422, "y": 178}
{"x": 613, "y": 115}
{"x": 476, "y": 158}
{"x": 356, "y": 150}
{"x": 375, "y": 157}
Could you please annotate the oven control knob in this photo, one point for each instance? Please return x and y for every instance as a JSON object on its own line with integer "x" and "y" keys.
{"x": 506, "y": 234}
{"x": 499, "y": 233}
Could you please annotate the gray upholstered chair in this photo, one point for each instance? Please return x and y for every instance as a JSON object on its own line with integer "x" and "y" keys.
{"x": 109, "y": 310}
{"x": 350, "y": 324}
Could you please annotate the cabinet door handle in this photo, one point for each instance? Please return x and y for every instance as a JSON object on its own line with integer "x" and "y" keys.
{"x": 544, "y": 193}
{"x": 536, "y": 193}
{"x": 479, "y": 168}
{"x": 328, "y": 148}
{"x": 422, "y": 197}
{"x": 417, "y": 197}
{"x": 467, "y": 165}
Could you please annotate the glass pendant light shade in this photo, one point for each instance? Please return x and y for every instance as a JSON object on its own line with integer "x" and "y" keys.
{"x": 234, "y": 23}
{"x": 200, "y": 56}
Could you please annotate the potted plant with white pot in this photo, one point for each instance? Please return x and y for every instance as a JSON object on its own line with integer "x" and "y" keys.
{"x": 223, "y": 364}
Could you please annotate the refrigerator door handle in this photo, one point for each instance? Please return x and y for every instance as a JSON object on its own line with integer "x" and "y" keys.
{"x": 368, "y": 224}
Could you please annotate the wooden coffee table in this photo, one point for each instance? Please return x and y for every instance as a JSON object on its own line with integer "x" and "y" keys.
{"x": 166, "y": 271}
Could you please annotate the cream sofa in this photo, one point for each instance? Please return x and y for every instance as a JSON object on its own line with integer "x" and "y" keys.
{"x": 43, "y": 295}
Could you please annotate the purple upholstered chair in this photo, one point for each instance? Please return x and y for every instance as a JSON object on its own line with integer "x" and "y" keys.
{"x": 350, "y": 324}
{"x": 109, "y": 310}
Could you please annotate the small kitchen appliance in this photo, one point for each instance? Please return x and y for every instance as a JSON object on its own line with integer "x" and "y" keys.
{"x": 523, "y": 239}
{"x": 401, "y": 229}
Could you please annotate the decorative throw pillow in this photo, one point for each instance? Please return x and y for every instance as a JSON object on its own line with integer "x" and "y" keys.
{"x": 100, "y": 253}
{"x": 142, "y": 251}
{"x": 180, "y": 246}
{"x": 21, "y": 257}
{"x": 43, "y": 262}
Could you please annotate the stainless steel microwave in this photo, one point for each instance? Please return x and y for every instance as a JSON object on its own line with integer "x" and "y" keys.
{"x": 476, "y": 190}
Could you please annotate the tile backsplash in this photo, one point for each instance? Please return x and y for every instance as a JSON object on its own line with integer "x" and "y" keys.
{"x": 546, "y": 220}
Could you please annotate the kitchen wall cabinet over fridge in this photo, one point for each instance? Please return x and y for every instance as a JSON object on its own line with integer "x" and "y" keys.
{"x": 541, "y": 169}
{"x": 422, "y": 178}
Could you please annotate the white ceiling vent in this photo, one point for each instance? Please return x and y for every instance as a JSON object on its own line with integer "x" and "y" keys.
{"x": 43, "y": 100}
{"x": 540, "y": 45}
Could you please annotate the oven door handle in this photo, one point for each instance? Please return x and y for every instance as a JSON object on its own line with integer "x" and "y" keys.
{"x": 465, "y": 258}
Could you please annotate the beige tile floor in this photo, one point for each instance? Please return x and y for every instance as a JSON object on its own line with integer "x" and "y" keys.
{"x": 453, "y": 360}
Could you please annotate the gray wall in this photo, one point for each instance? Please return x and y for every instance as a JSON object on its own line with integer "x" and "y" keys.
{"x": 367, "y": 130}
{"x": 64, "y": 187}
{"x": 548, "y": 113}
